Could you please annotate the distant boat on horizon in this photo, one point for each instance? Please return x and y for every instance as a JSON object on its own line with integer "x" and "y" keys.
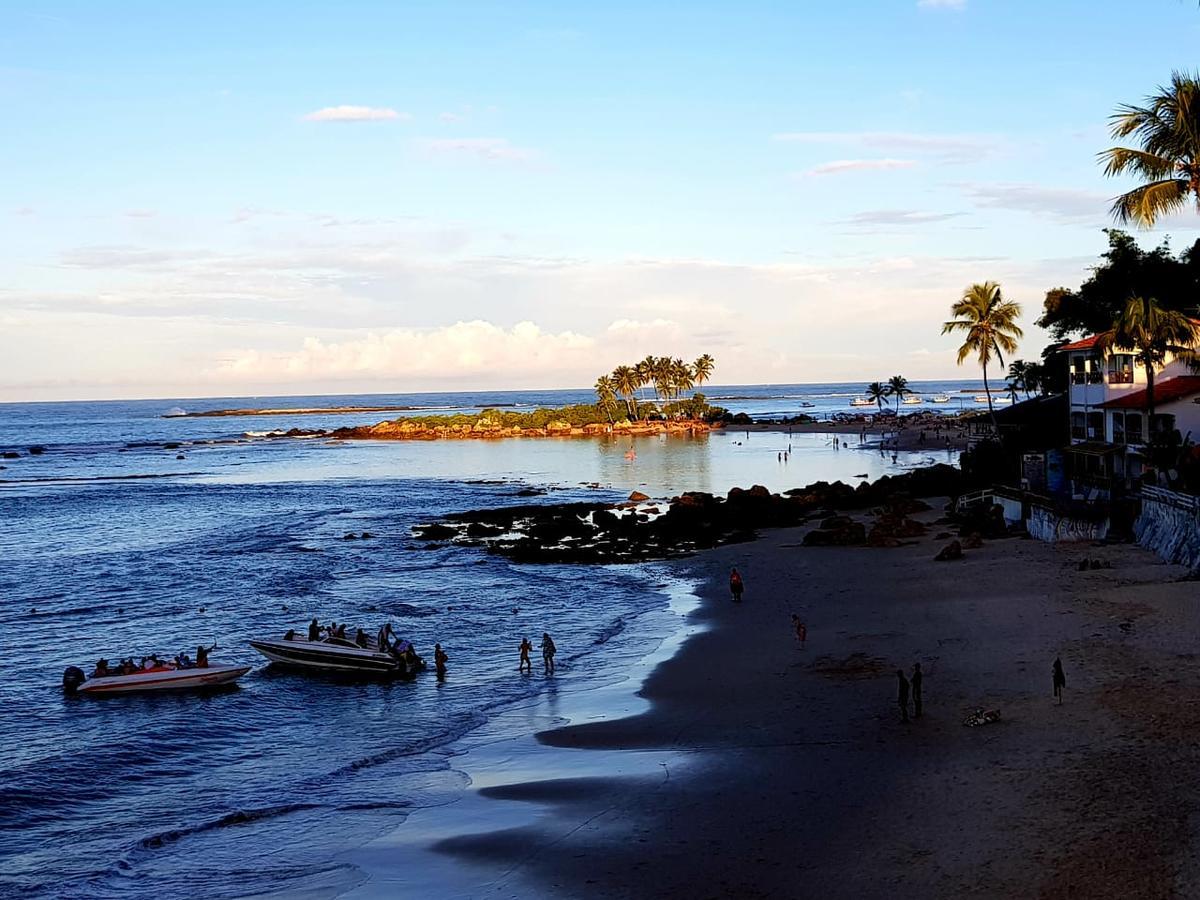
{"x": 912, "y": 400}
{"x": 939, "y": 398}
{"x": 862, "y": 401}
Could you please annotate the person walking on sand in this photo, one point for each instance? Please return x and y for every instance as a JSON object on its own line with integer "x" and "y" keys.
{"x": 801, "y": 630}
{"x": 548, "y": 651}
{"x": 526, "y": 664}
{"x": 917, "y": 678}
{"x": 439, "y": 661}
{"x": 1060, "y": 680}
{"x": 736, "y": 586}
{"x": 902, "y": 697}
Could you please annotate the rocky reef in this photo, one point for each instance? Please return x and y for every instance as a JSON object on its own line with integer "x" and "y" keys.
{"x": 641, "y": 530}
{"x": 416, "y": 430}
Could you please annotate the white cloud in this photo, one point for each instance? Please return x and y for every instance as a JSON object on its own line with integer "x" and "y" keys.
{"x": 464, "y": 349}
{"x": 948, "y": 148}
{"x": 486, "y": 149}
{"x": 451, "y": 118}
{"x": 356, "y": 114}
{"x": 942, "y": 4}
{"x": 898, "y": 217}
{"x": 838, "y": 166}
{"x": 141, "y": 213}
{"x": 23, "y": 211}
{"x": 1064, "y": 204}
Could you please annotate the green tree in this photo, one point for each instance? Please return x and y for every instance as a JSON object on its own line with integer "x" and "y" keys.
{"x": 898, "y": 387}
{"x": 1167, "y": 162}
{"x": 1125, "y": 270}
{"x": 989, "y": 325}
{"x": 606, "y": 393}
{"x": 626, "y": 381}
{"x": 702, "y": 369}
{"x": 1151, "y": 332}
{"x": 1018, "y": 377}
{"x": 878, "y": 391}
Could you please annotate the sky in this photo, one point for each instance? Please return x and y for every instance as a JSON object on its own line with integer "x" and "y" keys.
{"x": 234, "y": 199}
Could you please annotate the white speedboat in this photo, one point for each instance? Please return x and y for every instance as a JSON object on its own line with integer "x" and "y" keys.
{"x": 341, "y": 655}
{"x": 160, "y": 678}
{"x": 862, "y": 401}
{"x": 981, "y": 398}
{"x": 912, "y": 400}
{"x": 939, "y": 398}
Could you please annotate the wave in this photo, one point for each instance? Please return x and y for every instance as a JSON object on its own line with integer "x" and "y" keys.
{"x": 240, "y": 817}
{"x": 610, "y": 631}
{"x": 84, "y": 479}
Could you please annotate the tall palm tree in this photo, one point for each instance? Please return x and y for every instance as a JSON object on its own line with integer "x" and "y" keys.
{"x": 1151, "y": 332}
{"x": 989, "y": 323}
{"x": 682, "y": 378}
{"x": 1168, "y": 161}
{"x": 606, "y": 393}
{"x": 898, "y": 386}
{"x": 878, "y": 391}
{"x": 702, "y": 369}
{"x": 627, "y": 381}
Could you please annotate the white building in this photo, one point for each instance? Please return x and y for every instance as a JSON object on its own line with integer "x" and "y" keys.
{"x": 1108, "y": 409}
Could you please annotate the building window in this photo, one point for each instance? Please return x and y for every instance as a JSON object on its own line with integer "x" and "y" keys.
{"x": 1133, "y": 428}
{"x": 1120, "y": 368}
{"x": 1095, "y": 426}
{"x": 1077, "y": 427}
{"x": 1163, "y": 424}
{"x": 1078, "y": 370}
{"x": 1095, "y": 373}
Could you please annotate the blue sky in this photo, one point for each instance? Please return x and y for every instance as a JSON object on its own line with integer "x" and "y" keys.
{"x": 244, "y": 198}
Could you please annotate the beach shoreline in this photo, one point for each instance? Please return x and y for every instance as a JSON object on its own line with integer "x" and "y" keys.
{"x": 753, "y": 750}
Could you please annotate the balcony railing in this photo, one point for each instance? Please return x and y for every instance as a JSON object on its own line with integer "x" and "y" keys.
{"x": 1087, "y": 377}
{"x": 1120, "y": 378}
{"x": 1078, "y": 431}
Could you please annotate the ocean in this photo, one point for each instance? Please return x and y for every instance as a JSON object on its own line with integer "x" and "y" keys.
{"x": 116, "y": 545}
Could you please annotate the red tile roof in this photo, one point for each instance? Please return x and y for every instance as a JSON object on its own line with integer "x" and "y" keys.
{"x": 1164, "y": 392}
{"x": 1086, "y": 344}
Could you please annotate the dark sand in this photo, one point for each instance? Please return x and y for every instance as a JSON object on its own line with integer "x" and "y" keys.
{"x": 760, "y": 769}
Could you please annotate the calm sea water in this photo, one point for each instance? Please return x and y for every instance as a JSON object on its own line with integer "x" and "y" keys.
{"x": 113, "y": 548}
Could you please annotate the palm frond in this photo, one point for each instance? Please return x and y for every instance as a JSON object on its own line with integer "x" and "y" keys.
{"x": 1146, "y": 204}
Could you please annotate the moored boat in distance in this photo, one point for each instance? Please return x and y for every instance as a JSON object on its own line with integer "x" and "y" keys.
{"x": 159, "y": 678}
{"x": 341, "y": 655}
{"x": 939, "y": 398}
{"x": 912, "y": 400}
{"x": 862, "y": 401}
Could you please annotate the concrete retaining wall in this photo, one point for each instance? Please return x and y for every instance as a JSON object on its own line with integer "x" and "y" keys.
{"x": 1047, "y": 525}
{"x": 1170, "y": 526}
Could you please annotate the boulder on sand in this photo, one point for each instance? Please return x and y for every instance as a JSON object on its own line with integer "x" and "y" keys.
{"x": 952, "y": 550}
{"x": 638, "y": 497}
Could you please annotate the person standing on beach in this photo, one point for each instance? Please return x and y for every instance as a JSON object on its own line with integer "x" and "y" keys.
{"x": 526, "y": 664}
{"x": 548, "y": 651}
{"x": 917, "y": 678}
{"x": 439, "y": 661}
{"x": 902, "y": 697}
{"x": 801, "y": 630}
{"x": 1060, "y": 680}
{"x": 736, "y": 586}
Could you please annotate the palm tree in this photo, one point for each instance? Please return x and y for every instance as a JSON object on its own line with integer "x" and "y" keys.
{"x": 990, "y": 324}
{"x": 1151, "y": 332}
{"x": 1018, "y": 378}
{"x": 1013, "y": 386}
{"x": 878, "y": 391}
{"x": 627, "y": 381}
{"x": 702, "y": 369}
{"x": 898, "y": 385}
{"x": 606, "y": 393}
{"x": 1168, "y": 162}
{"x": 682, "y": 379}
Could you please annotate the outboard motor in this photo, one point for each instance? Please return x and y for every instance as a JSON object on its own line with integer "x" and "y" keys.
{"x": 73, "y": 677}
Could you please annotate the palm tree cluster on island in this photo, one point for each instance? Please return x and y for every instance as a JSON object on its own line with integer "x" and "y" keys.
{"x": 896, "y": 386}
{"x": 669, "y": 378}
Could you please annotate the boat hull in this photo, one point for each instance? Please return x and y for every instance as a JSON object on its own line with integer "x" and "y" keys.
{"x": 317, "y": 657}
{"x": 166, "y": 680}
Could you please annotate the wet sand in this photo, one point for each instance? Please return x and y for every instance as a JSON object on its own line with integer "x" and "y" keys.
{"x": 755, "y": 768}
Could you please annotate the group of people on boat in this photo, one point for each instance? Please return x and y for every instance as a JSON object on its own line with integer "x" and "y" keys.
{"x": 153, "y": 663}
{"x": 386, "y": 640}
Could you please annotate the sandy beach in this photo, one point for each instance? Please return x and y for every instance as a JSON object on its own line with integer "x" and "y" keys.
{"x": 749, "y": 767}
